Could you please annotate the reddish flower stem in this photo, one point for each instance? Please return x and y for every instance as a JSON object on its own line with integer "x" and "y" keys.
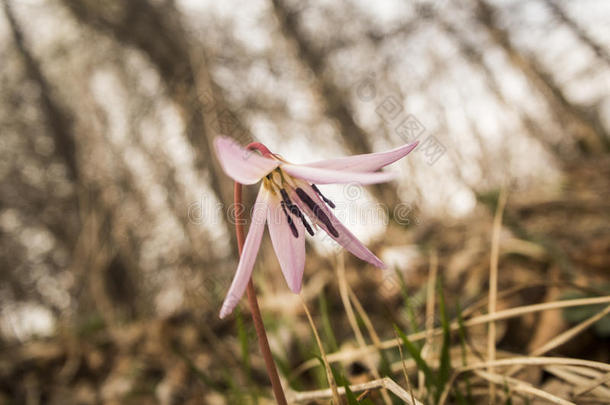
{"x": 254, "y": 309}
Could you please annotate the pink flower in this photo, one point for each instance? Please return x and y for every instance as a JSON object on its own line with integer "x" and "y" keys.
{"x": 291, "y": 204}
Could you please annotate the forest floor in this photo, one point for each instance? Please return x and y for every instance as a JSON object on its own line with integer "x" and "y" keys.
{"x": 548, "y": 252}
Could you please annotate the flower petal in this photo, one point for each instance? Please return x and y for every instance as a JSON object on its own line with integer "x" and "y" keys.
{"x": 341, "y": 235}
{"x": 248, "y": 254}
{"x": 368, "y": 162}
{"x": 242, "y": 165}
{"x": 290, "y": 250}
{"x": 328, "y": 176}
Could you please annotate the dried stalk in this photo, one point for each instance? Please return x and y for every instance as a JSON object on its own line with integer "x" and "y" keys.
{"x": 386, "y": 383}
{"x": 493, "y": 287}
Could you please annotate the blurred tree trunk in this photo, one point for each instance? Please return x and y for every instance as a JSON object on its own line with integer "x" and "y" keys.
{"x": 62, "y": 129}
{"x": 475, "y": 57}
{"x": 60, "y": 124}
{"x": 597, "y": 48}
{"x": 155, "y": 30}
{"x": 585, "y": 124}
{"x": 336, "y": 103}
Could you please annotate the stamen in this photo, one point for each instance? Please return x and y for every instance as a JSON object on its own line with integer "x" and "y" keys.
{"x": 317, "y": 211}
{"x": 304, "y": 221}
{"x": 326, "y": 200}
{"x": 294, "y": 210}
{"x": 293, "y": 228}
{"x": 285, "y": 197}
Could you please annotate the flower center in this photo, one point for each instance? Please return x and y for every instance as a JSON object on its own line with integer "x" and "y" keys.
{"x": 281, "y": 184}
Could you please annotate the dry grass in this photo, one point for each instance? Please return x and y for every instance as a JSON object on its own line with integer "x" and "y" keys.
{"x": 352, "y": 354}
{"x": 584, "y": 377}
{"x": 486, "y": 370}
{"x": 381, "y": 384}
{"x": 582, "y": 384}
{"x": 329, "y": 374}
{"x": 493, "y": 287}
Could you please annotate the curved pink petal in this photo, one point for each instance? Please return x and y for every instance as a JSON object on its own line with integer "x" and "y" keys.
{"x": 248, "y": 254}
{"x": 328, "y": 176}
{"x": 290, "y": 250}
{"x": 369, "y": 162}
{"x": 342, "y": 235}
{"x": 242, "y": 165}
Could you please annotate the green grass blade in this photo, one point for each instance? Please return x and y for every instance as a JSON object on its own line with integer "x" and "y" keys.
{"x": 242, "y": 335}
{"x": 462, "y": 335}
{"x": 460, "y": 397}
{"x": 509, "y": 400}
{"x": 350, "y": 396}
{"x": 408, "y": 305}
{"x": 327, "y": 329}
{"x": 421, "y": 363}
{"x": 244, "y": 343}
{"x": 444, "y": 370}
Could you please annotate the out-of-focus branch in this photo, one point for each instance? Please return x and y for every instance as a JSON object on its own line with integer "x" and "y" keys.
{"x": 59, "y": 122}
{"x": 333, "y": 98}
{"x": 586, "y": 126}
{"x": 165, "y": 173}
{"x": 61, "y": 126}
{"x": 155, "y": 30}
{"x": 474, "y": 56}
{"x": 560, "y": 14}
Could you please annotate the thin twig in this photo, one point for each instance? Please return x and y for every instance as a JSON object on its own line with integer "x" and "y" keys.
{"x": 349, "y": 311}
{"x": 602, "y": 379}
{"x": 351, "y": 318}
{"x": 522, "y": 386}
{"x": 404, "y": 370}
{"x": 573, "y": 378}
{"x": 570, "y": 333}
{"x": 329, "y": 373}
{"x": 482, "y": 302}
{"x": 363, "y": 395}
{"x": 385, "y": 382}
{"x": 563, "y": 337}
{"x": 523, "y": 361}
{"x": 374, "y": 338}
{"x": 537, "y": 361}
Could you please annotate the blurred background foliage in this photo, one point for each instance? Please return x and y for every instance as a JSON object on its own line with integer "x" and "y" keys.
{"x": 115, "y": 217}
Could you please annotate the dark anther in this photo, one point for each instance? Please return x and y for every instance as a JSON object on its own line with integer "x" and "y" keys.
{"x": 317, "y": 211}
{"x": 285, "y": 197}
{"x": 294, "y": 210}
{"x": 306, "y": 225}
{"x": 293, "y": 228}
{"x": 326, "y": 200}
